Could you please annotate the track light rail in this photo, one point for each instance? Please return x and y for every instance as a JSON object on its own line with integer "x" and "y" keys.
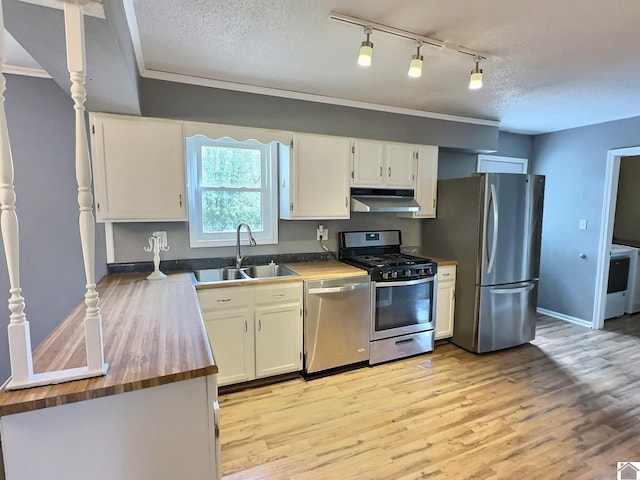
{"x": 398, "y": 32}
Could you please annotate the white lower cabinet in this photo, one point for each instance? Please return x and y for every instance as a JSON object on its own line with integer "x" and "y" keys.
{"x": 254, "y": 332}
{"x": 445, "y": 303}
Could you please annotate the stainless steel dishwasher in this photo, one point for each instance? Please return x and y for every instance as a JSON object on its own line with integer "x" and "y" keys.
{"x": 337, "y": 319}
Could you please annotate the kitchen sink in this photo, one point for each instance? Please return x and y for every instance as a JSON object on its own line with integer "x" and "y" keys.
{"x": 245, "y": 273}
{"x": 268, "y": 271}
{"x": 220, "y": 274}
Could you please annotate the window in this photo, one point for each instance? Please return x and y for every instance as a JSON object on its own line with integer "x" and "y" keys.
{"x": 231, "y": 182}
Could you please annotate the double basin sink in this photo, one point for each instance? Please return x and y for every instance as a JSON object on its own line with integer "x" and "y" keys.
{"x": 245, "y": 273}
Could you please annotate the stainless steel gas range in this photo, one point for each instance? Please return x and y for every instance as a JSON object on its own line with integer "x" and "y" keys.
{"x": 403, "y": 289}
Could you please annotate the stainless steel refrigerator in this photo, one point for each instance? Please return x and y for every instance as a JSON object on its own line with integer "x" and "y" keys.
{"x": 491, "y": 224}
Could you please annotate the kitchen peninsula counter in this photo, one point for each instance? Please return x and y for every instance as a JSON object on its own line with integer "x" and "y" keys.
{"x": 152, "y": 334}
{"x": 153, "y": 415}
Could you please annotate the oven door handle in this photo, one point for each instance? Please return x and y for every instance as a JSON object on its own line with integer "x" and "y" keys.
{"x": 344, "y": 288}
{"x": 404, "y": 283}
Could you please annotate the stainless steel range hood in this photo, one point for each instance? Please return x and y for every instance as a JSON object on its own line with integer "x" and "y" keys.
{"x": 383, "y": 200}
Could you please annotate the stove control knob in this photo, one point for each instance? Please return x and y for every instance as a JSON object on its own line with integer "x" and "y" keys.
{"x": 394, "y": 274}
{"x": 408, "y": 273}
{"x": 421, "y": 271}
{"x": 385, "y": 275}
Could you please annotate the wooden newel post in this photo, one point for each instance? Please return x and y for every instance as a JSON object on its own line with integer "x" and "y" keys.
{"x": 22, "y": 375}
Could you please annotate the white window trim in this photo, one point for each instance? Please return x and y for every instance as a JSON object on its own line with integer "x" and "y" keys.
{"x": 270, "y": 208}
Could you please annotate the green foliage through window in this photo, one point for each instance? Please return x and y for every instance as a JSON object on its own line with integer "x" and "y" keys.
{"x": 231, "y": 182}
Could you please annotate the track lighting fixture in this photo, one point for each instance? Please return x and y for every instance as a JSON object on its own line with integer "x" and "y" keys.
{"x": 415, "y": 67}
{"x": 475, "y": 82}
{"x": 366, "y": 50}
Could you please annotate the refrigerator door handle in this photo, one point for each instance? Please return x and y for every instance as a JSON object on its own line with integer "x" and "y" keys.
{"x": 526, "y": 288}
{"x": 493, "y": 200}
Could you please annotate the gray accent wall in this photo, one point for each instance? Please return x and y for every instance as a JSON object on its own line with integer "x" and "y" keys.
{"x": 41, "y": 125}
{"x": 112, "y": 73}
{"x": 574, "y": 162}
{"x": 192, "y": 102}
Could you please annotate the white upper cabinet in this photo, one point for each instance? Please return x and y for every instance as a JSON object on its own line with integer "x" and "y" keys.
{"x": 314, "y": 178}
{"x": 401, "y": 165}
{"x": 138, "y": 169}
{"x": 426, "y": 182}
{"x": 368, "y": 163}
{"x": 383, "y": 164}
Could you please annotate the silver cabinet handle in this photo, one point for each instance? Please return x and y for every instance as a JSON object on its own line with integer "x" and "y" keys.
{"x": 380, "y": 170}
{"x": 246, "y": 327}
{"x": 389, "y": 172}
{"x": 278, "y": 296}
{"x": 223, "y": 300}
{"x": 180, "y": 199}
{"x": 259, "y": 324}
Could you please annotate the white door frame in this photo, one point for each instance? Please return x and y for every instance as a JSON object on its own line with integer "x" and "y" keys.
{"x": 606, "y": 229}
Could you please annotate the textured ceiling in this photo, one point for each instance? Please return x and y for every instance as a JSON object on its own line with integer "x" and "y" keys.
{"x": 554, "y": 64}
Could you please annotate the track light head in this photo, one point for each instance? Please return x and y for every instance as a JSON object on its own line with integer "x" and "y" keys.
{"x": 415, "y": 67}
{"x": 366, "y": 50}
{"x": 475, "y": 81}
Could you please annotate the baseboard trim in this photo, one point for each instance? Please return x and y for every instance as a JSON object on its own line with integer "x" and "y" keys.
{"x": 566, "y": 318}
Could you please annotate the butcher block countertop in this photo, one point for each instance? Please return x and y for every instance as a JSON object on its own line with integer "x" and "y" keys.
{"x": 153, "y": 335}
{"x": 442, "y": 261}
{"x": 326, "y": 269}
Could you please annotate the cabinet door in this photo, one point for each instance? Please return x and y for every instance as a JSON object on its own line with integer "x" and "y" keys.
{"x": 445, "y": 303}
{"x": 138, "y": 167}
{"x": 278, "y": 339}
{"x": 427, "y": 181}
{"x": 231, "y": 335}
{"x": 320, "y": 177}
{"x": 400, "y": 168}
{"x": 368, "y": 163}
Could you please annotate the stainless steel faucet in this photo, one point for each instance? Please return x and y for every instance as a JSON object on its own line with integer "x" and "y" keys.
{"x": 252, "y": 242}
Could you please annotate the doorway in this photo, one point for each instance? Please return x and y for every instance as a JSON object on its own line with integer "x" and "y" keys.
{"x": 606, "y": 229}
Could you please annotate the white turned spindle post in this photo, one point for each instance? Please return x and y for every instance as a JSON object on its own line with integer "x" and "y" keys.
{"x": 18, "y": 329}
{"x": 76, "y": 63}
{"x": 22, "y": 375}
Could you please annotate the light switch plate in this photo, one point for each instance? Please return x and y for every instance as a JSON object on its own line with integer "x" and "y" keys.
{"x": 582, "y": 224}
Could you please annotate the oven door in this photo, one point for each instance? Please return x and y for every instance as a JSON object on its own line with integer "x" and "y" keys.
{"x": 402, "y": 307}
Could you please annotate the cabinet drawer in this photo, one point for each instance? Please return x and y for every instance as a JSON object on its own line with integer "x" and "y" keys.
{"x": 224, "y": 298}
{"x": 447, "y": 273}
{"x": 281, "y": 293}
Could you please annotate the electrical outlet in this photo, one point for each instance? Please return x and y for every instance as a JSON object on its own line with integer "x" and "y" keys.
{"x": 163, "y": 236}
{"x": 322, "y": 233}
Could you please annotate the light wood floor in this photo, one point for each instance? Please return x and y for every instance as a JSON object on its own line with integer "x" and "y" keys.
{"x": 565, "y": 406}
